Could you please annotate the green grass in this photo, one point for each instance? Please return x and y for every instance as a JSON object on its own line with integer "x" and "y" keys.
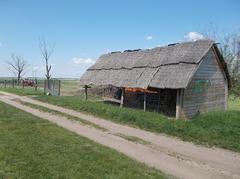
{"x": 70, "y": 87}
{"x": 34, "y": 148}
{"x": 234, "y": 103}
{"x": 70, "y": 117}
{"x": 221, "y": 129}
{"x": 23, "y": 91}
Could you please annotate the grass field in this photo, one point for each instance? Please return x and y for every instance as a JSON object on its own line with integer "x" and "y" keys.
{"x": 28, "y": 91}
{"x": 34, "y": 148}
{"x": 221, "y": 129}
{"x": 70, "y": 87}
{"x": 234, "y": 103}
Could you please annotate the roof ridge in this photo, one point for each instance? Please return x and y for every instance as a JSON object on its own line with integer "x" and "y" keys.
{"x": 157, "y": 47}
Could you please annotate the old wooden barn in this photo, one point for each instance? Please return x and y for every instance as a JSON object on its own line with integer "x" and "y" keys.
{"x": 182, "y": 79}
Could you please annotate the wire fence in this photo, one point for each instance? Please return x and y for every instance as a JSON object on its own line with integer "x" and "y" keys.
{"x": 63, "y": 87}
{"x": 13, "y": 83}
{"x": 8, "y": 83}
{"x": 52, "y": 87}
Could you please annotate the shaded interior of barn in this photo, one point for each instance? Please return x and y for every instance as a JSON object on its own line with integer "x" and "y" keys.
{"x": 157, "y": 100}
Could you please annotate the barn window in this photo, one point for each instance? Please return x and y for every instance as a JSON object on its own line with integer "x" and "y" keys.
{"x": 201, "y": 85}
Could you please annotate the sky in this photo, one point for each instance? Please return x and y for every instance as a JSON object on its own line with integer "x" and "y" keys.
{"x": 82, "y": 30}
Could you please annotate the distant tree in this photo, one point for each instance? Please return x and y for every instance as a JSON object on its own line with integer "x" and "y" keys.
{"x": 229, "y": 45}
{"x": 18, "y": 66}
{"x": 46, "y": 52}
{"x": 231, "y": 52}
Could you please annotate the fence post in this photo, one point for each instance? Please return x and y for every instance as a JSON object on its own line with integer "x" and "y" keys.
{"x": 59, "y": 88}
{"x": 35, "y": 85}
{"x": 53, "y": 85}
{"x": 86, "y": 94}
{"x": 44, "y": 86}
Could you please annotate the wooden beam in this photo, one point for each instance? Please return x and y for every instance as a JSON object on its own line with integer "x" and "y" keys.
{"x": 86, "y": 92}
{"x": 226, "y": 95}
{"x": 59, "y": 88}
{"x": 53, "y": 85}
{"x": 159, "y": 98}
{"x": 145, "y": 102}
{"x": 122, "y": 97}
{"x": 179, "y": 103}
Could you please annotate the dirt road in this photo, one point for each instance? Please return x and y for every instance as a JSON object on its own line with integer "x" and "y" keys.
{"x": 168, "y": 154}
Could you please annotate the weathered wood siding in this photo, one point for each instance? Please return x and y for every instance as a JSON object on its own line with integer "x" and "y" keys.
{"x": 207, "y": 90}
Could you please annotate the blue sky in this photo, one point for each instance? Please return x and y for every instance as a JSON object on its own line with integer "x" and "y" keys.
{"x": 82, "y": 30}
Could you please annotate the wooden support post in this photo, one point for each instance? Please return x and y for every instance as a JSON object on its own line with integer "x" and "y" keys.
{"x": 145, "y": 102}
{"x": 122, "y": 97}
{"x": 44, "y": 87}
{"x": 159, "y": 96}
{"x": 59, "y": 88}
{"x": 226, "y": 95}
{"x": 179, "y": 103}
{"x": 53, "y": 88}
{"x": 35, "y": 85}
{"x": 86, "y": 94}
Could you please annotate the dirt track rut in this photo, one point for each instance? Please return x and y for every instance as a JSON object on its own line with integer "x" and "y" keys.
{"x": 168, "y": 154}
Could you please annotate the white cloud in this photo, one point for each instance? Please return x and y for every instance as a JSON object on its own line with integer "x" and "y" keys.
{"x": 149, "y": 37}
{"x": 193, "y": 36}
{"x": 83, "y": 61}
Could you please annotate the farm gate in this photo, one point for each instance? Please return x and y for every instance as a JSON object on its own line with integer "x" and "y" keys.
{"x": 52, "y": 87}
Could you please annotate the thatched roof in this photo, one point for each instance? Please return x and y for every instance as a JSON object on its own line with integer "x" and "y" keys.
{"x": 161, "y": 67}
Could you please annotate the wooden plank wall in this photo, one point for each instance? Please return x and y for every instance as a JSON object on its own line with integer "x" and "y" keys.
{"x": 213, "y": 96}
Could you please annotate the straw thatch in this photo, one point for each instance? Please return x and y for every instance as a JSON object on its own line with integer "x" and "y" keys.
{"x": 161, "y": 67}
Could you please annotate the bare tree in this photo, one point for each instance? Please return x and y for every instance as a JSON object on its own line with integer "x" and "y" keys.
{"x": 229, "y": 45}
{"x": 18, "y": 66}
{"x": 231, "y": 52}
{"x": 46, "y": 52}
